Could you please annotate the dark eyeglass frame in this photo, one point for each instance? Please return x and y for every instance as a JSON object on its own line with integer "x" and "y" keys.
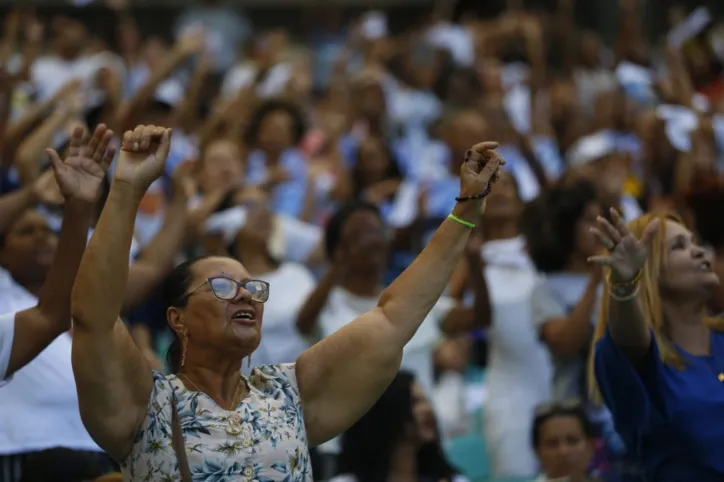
{"x": 239, "y": 286}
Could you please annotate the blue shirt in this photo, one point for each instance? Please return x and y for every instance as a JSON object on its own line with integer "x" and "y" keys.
{"x": 288, "y": 197}
{"x": 671, "y": 420}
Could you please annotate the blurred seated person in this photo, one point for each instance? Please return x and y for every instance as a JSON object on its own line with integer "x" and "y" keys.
{"x": 396, "y": 440}
{"x": 563, "y": 439}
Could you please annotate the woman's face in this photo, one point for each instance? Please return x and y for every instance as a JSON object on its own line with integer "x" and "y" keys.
{"x": 222, "y": 164}
{"x": 209, "y": 322}
{"x": 29, "y": 247}
{"x": 503, "y": 202}
{"x": 563, "y": 449}
{"x": 586, "y": 243}
{"x": 276, "y": 131}
{"x": 363, "y": 242}
{"x": 424, "y": 415}
{"x": 373, "y": 162}
{"x": 687, "y": 266}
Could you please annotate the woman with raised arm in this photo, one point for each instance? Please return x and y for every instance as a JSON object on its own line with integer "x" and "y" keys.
{"x": 207, "y": 414}
{"x": 659, "y": 358}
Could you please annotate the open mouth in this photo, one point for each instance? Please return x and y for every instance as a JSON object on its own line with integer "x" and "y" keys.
{"x": 705, "y": 266}
{"x": 244, "y": 315}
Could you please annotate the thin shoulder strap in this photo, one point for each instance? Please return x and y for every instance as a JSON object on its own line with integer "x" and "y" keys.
{"x": 177, "y": 440}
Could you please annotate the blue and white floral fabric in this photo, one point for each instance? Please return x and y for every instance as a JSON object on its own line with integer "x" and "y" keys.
{"x": 263, "y": 440}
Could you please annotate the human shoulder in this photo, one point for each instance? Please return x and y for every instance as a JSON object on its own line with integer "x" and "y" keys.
{"x": 271, "y": 379}
{"x": 7, "y": 335}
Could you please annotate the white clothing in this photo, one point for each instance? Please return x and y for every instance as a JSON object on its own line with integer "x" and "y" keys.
{"x": 7, "y": 334}
{"x": 519, "y": 369}
{"x": 289, "y": 287}
{"x": 352, "y": 478}
{"x": 343, "y": 307}
{"x": 39, "y": 409}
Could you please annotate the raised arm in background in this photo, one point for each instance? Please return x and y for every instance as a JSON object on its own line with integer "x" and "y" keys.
{"x": 113, "y": 378}
{"x": 343, "y": 375}
{"x": 80, "y": 177}
{"x": 625, "y": 320}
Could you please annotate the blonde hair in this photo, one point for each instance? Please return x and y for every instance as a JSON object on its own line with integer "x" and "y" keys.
{"x": 649, "y": 299}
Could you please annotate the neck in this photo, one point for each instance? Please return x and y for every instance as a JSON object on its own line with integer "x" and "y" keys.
{"x": 33, "y": 286}
{"x": 362, "y": 284}
{"x": 495, "y": 229}
{"x": 256, "y": 259}
{"x": 577, "y": 264}
{"x": 403, "y": 463}
{"x": 218, "y": 377}
{"x": 686, "y": 327}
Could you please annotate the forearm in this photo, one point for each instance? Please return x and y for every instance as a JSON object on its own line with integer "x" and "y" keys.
{"x": 309, "y": 313}
{"x": 482, "y": 309}
{"x": 12, "y": 205}
{"x": 100, "y": 286}
{"x": 627, "y": 326}
{"x": 32, "y": 148}
{"x": 54, "y": 298}
{"x": 408, "y": 300}
{"x": 578, "y": 327}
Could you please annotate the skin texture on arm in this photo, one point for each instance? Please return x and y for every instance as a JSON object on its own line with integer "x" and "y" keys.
{"x": 342, "y": 376}
{"x": 113, "y": 378}
{"x": 36, "y": 327}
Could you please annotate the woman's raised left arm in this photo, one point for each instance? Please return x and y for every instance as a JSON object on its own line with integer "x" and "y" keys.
{"x": 342, "y": 376}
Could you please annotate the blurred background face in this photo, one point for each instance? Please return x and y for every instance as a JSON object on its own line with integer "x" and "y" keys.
{"x": 369, "y": 100}
{"x": 563, "y": 448}
{"x": 275, "y": 131}
{"x": 29, "y": 247}
{"x": 424, "y": 415}
{"x": 464, "y": 131}
{"x": 69, "y": 36}
{"x": 373, "y": 161}
{"x": 222, "y": 163}
{"x": 153, "y": 51}
{"x": 590, "y": 49}
{"x": 363, "y": 242}
{"x": 503, "y": 202}
{"x": 688, "y": 267}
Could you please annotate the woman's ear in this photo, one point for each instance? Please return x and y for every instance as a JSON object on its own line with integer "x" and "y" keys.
{"x": 174, "y": 317}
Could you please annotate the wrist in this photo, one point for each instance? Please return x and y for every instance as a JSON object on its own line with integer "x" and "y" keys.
{"x": 128, "y": 189}
{"x": 468, "y": 210}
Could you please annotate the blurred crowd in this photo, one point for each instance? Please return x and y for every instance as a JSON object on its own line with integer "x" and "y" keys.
{"x": 324, "y": 163}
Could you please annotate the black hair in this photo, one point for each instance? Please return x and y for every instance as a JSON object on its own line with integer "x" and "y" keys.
{"x": 393, "y": 166}
{"x": 61, "y": 465}
{"x": 549, "y": 223}
{"x": 174, "y": 288}
{"x": 548, "y": 411}
{"x": 368, "y": 446}
{"x": 335, "y": 224}
{"x": 299, "y": 127}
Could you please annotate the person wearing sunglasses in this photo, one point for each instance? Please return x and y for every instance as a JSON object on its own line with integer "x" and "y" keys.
{"x": 207, "y": 419}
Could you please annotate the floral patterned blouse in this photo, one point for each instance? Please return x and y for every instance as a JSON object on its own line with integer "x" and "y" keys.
{"x": 263, "y": 440}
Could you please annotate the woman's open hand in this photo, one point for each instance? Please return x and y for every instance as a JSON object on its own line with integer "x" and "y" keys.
{"x": 143, "y": 156}
{"x": 628, "y": 255}
{"x": 480, "y": 169}
{"x": 80, "y": 175}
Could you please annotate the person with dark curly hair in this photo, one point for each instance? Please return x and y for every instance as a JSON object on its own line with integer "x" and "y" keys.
{"x": 274, "y": 133}
{"x": 557, "y": 229}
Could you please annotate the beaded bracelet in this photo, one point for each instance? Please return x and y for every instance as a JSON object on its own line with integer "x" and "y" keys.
{"x": 626, "y": 284}
{"x": 475, "y": 196}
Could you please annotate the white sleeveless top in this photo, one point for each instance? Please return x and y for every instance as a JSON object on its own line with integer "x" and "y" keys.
{"x": 264, "y": 439}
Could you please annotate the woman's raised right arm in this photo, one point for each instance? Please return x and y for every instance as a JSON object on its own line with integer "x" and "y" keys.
{"x": 113, "y": 378}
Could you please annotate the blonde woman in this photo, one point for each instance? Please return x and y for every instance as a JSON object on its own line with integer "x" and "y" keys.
{"x": 659, "y": 359}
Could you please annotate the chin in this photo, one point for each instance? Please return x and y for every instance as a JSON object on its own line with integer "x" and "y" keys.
{"x": 711, "y": 281}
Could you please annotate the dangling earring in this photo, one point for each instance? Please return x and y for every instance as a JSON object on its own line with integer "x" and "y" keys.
{"x": 184, "y": 343}
{"x": 248, "y": 361}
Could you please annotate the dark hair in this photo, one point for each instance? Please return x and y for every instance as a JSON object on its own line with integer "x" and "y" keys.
{"x": 549, "y": 224}
{"x": 174, "y": 288}
{"x": 393, "y": 166}
{"x": 61, "y": 465}
{"x": 335, "y": 224}
{"x": 262, "y": 111}
{"x": 571, "y": 408}
{"x": 368, "y": 446}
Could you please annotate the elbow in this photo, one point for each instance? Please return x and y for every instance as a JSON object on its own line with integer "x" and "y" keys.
{"x": 560, "y": 343}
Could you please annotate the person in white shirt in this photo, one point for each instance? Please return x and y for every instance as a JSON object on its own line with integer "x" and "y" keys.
{"x": 32, "y": 320}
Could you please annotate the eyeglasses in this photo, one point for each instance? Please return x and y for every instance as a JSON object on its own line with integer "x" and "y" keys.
{"x": 228, "y": 289}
